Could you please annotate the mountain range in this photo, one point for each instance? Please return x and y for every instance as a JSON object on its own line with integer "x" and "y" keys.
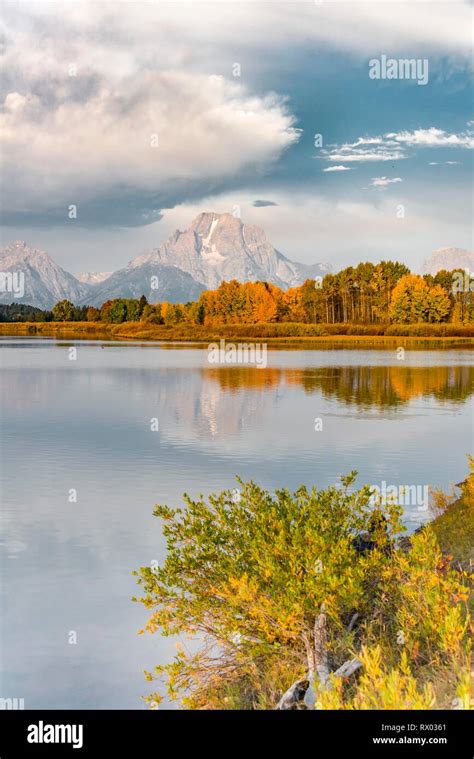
{"x": 215, "y": 247}
{"x": 44, "y": 282}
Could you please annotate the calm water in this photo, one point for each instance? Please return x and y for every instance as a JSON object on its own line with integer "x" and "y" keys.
{"x": 85, "y": 424}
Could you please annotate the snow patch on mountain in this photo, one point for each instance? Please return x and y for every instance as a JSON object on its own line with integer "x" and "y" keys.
{"x": 209, "y": 250}
{"x": 93, "y": 277}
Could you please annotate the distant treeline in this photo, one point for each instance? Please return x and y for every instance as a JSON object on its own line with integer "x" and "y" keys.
{"x": 18, "y": 312}
{"x": 367, "y": 294}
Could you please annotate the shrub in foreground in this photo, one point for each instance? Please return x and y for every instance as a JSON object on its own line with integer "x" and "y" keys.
{"x": 263, "y": 589}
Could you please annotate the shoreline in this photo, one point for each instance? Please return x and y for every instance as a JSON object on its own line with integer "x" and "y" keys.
{"x": 273, "y": 334}
{"x": 454, "y": 530}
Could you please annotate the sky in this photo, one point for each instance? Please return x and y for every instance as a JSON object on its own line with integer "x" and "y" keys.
{"x": 142, "y": 114}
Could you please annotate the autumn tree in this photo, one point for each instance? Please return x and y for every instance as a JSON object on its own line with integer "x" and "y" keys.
{"x": 386, "y": 276}
{"x": 330, "y": 297}
{"x": 117, "y": 312}
{"x": 362, "y": 285}
{"x": 92, "y": 314}
{"x": 365, "y": 294}
{"x": 311, "y": 301}
{"x": 80, "y": 313}
{"x": 152, "y": 314}
{"x": 63, "y": 311}
{"x": 172, "y": 313}
{"x": 414, "y": 301}
{"x": 196, "y": 313}
{"x": 293, "y": 307}
{"x": 264, "y": 307}
{"x": 209, "y": 300}
{"x": 439, "y": 304}
{"x": 104, "y": 310}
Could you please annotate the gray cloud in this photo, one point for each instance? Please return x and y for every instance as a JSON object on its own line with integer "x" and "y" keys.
{"x": 91, "y": 117}
{"x": 132, "y": 149}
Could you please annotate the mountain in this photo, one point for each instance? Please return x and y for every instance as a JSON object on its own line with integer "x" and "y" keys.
{"x": 449, "y": 259}
{"x": 219, "y": 247}
{"x": 38, "y": 280}
{"x": 93, "y": 277}
{"x": 155, "y": 281}
{"x": 214, "y": 248}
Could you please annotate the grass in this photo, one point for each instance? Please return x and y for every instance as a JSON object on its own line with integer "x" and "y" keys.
{"x": 278, "y": 333}
{"x": 454, "y": 529}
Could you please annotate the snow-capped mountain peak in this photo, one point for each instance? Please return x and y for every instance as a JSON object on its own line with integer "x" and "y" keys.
{"x": 218, "y": 247}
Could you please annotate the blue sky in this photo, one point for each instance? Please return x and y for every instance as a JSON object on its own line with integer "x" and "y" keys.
{"x": 88, "y": 85}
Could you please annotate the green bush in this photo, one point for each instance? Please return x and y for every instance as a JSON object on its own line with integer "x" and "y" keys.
{"x": 247, "y": 574}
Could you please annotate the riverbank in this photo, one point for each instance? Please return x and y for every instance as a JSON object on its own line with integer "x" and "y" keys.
{"x": 454, "y": 530}
{"x": 442, "y": 335}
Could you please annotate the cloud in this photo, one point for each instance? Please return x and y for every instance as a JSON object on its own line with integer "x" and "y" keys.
{"x": 263, "y": 203}
{"x": 149, "y": 139}
{"x": 165, "y": 69}
{"x": 84, "y": 97}
{"x": 384, "y": 181}
{"x": 309, "y": 226}
{"x": 349, "y": 153}
{"x": 433, "y": 138}
{"x": 304, "y": 227}
{"x": 353, "y": 25}
{"x": 337, "y": 168}
{"x": 392, "y": 145}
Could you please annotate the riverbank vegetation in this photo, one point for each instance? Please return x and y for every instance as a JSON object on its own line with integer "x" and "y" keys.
{"x": 304, "y": 335}
{"x": 359, "y": 298}
{"x": 311, "y": 599}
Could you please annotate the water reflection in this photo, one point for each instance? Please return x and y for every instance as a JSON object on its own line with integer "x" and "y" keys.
{"x": 364, "y": 386}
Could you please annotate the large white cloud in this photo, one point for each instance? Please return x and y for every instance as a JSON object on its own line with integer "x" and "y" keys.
{"x": 92, "y": 112}
{"x": 189, "y": 30}
{"x": 150, "y": 132}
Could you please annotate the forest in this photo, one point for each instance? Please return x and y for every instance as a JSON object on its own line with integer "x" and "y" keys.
{"x": 383, "y": 293}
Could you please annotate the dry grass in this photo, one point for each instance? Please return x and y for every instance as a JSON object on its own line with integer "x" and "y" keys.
{"x": 285, "y": 333}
